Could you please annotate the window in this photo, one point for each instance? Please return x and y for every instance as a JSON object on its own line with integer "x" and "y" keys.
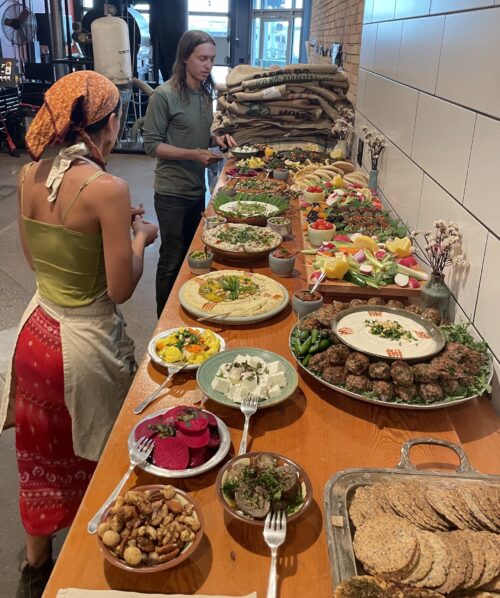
{"x": 276, "y": 32}
{"x": 212, "y": 16}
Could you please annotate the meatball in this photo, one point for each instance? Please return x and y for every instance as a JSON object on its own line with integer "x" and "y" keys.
{"x": 401, "y": 373}
{"x": 379, "y": 370}
{"x": 376, "y": 301}
{"x": 318, "y": 362}
{"x": 358, "y": 383}
{"x": 356, "y": 302}
{"x": 406, "y": 393}
{"x": 357, "y": 363}
{"x": 309, "y": 322}
{"x": 383, "y": 390}
{"x": 337, "y": 355}
{"x": 447, "y": 368}
{"x": 415, "y": 309}
{"x": 395, "y": 303}
{"x": 432, "y": 314}
{"x": 424, "y": 372}
{"x": 457, "y": 352}
{"x": 264, "y": 462}
{"x": 339, "y": 306}
{"x": 335, "y": 374}
{"x": 431, "y": 392}
{"x": 450, "y": 387}
{"x": 325, "y": 315}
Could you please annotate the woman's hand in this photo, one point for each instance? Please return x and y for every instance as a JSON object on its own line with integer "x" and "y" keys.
{"x": 225, "y": 141}
{"x": 137, "y": 211}
{"x": 147, "y": 229}
{"x": 206, "y": 157}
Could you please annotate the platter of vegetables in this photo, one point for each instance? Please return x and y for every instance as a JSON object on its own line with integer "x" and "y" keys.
{"x": 460, "y": 372}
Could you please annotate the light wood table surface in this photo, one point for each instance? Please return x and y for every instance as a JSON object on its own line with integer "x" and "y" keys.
{"x": 323, "y": 431}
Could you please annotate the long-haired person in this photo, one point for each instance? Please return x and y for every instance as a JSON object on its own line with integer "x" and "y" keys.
{"x": 177, "y": 133}
{"x": 73, "y": 362}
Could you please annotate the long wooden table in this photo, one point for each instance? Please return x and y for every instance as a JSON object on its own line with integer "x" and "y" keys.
{"x": 320, "y": 429}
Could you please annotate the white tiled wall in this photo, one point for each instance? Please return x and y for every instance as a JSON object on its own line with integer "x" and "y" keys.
{"x": 429, "y": 81}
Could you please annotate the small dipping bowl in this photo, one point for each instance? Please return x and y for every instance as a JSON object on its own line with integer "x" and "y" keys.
{"x": 319, "y": 236}
{"x": 281, "y": 266}
{"x": 280, "y": 174}
{"x": 304, "y": 302}
{"x": 213, "y": 221}
{"x": 281, "y": 225}
{"x": 200, "y": 265}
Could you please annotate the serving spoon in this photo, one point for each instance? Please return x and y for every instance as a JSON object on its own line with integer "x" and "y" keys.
{"x": 319, "y": 280}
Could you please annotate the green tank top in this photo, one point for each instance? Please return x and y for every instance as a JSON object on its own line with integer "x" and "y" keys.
{"x": 69, "y": 265}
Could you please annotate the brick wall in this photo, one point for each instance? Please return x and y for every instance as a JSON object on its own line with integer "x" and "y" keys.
{"x": 338, "y": 21}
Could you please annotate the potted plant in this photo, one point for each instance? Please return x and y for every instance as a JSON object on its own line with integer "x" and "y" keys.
{"x": 443, "y": 249}
{"x": 200, "y": 262}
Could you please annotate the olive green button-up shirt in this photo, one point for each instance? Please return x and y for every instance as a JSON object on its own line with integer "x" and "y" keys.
{"x": 181, "y": 124}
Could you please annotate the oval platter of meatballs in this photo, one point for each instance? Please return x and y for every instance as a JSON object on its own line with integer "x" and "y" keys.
{"x": 453, "y": 367}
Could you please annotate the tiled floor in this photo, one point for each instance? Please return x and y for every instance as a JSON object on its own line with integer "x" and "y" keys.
{"x": 16, "y": 287}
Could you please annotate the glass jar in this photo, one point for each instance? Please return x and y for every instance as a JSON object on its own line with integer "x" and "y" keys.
{"x": 435, "y": 293}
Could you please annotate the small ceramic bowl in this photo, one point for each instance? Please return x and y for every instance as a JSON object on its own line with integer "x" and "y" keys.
{"x": 280, "y": 174}
{"x": 318, "y": 237}
{"x": 303, "y": 302}
{"x": 310, "y": 197}
{"x": 247, "y": 459}
{"x": 281, "y": 266}
{"x": 213, "y": 221}
{"x": 281, "y": 225}
{"x": 200, "y": 265}
{"x": 183, "y": 498}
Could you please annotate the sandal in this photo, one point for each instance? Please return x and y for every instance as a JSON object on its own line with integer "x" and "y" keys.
{"x": 34, "y": 579}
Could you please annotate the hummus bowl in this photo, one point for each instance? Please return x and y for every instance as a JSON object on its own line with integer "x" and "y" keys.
{"x": 233, "y": 296}
{"x": 241, "y": 241}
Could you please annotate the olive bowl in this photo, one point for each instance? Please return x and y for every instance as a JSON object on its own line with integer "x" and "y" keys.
{"x": 232, "y": 509}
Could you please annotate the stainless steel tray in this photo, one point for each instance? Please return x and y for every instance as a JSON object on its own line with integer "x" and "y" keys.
{"x": 340, "y": 489}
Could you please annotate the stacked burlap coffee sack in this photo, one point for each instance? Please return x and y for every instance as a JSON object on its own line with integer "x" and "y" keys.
{"x": 296, "y": 102}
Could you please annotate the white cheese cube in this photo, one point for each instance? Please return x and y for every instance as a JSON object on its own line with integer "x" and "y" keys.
{"x": 221, "y": 385}
{"x": 248, "y": 381}
{"x": 241, "y": 359}
{"x": 277, "y": 379}
{"x": 274, "y": 367}
{"x": 264, "y": 380}
{"x": 274, "y": 392}
{"x": 235, "y": 373}
{"x": 259, "y": 392}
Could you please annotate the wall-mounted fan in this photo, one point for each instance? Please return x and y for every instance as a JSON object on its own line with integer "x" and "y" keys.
{"x": 18, "y": 25}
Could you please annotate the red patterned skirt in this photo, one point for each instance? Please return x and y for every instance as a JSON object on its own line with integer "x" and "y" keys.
{"x": 53, "y": 479}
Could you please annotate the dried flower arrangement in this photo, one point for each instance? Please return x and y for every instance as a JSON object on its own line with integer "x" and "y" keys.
{"x": 376, "y": 143}
{"x": 342, "y": 129}
{"x": 443, "y": 246}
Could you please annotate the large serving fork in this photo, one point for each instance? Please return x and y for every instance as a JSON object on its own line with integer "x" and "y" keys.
{"x": 274, "y": 535}
{"x": 138, "y": 455}
{"x": 248, "y": 407}
{"x": 172, "y": 370}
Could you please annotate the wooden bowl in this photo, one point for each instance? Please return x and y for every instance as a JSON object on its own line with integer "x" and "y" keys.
{"x": 185, "y": 554}
{"x": 304, "y": 481}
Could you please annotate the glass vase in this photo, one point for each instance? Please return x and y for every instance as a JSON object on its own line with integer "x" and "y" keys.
{"x": 373, "y": 180}
{"x": 435, "y": 293}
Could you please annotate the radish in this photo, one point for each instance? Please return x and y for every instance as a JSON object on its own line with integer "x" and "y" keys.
{"x": 315, "y": 275}
{"x": 380, "y": 254}
{"x": 304, "y": 204}
{"x": 343, "y": 238}
{"x": 401, "y": 280}
{"x": 366, "y": 268}
{"x": 328, "y": 245}
{"x": 360, "y": 256}
{"x": 407, "y": 261}
{"x": 414, "y": 284}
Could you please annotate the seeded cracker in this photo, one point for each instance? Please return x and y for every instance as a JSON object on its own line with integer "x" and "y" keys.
{"x": 492, "y": 561}
{"x": 460, "y": 559}
{"x": 467, "y": 495}
{"x": 440, "y": 564}
{"x": 387, "y": 546}
{"x": 425, "y": 561}
{"x": 366, "y": 586}
{"x": 437, "y": 495}
{"x": 477, "y": 550}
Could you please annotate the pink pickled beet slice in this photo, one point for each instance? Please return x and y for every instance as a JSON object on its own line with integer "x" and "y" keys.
{"x": 193, "y": 420}
{"x": 171, "y": 453}
{"x": 199, "y": 456}
{"x": 214, "y": 441}
{"x": 194, "y": 439}
{"x": 145, "y": 428}
{"x": 212, "y": 422}
{"x": 174, "y": 412}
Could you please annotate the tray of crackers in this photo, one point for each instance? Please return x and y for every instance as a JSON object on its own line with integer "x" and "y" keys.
{"x": 409, "y": 532}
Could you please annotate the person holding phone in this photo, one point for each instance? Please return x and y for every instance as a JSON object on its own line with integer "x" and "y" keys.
{"x": 177, "y": 134}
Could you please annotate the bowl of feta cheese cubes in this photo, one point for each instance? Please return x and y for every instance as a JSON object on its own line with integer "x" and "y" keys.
{"x": 231, "y": 377}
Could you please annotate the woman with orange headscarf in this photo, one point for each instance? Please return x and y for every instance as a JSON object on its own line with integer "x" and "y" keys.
{"x": 73, "y": 362}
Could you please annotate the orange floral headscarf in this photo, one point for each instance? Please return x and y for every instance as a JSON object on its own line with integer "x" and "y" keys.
{"x": 98, "y": 96}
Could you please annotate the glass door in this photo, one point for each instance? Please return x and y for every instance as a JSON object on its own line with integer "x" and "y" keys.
{"x": 275, "y": 42}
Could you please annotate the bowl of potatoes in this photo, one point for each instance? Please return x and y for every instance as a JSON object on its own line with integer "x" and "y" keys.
{"x": 150, "y": 528}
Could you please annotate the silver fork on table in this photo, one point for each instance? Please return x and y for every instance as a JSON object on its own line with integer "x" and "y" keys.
{"x": 138, "y": 455}
{"x": 274, "y": 535}
{"x": 172, "y": 370}
{"x": 248, "y": 408}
